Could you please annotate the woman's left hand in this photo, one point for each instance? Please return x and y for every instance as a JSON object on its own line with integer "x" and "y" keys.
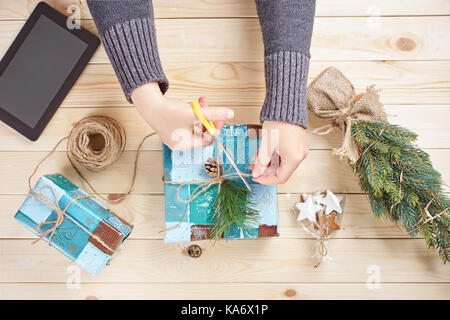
{"x": 283, "y": 147}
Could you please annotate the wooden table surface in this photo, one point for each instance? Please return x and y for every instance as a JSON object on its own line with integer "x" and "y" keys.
{"x": 215, "y": 48}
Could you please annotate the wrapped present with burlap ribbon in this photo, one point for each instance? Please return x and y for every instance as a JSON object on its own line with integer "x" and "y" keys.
{"x": 331, "y": 96}
{"x": 73, "y": 222}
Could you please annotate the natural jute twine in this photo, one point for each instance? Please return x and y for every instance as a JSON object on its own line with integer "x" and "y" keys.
{"x": 80, "y": 149}
{"x": 203, "y": 186}
{"x": 60, "y": 215}
{"x": 331, "y": 96}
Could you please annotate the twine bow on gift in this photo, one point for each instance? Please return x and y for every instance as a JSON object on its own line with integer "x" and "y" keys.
{"x": 60, "y": 216}
{"x": 203, "y": 186}
{"x": 331, "y": 96}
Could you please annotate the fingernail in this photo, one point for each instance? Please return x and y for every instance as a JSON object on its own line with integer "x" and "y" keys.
{"x": 229, "y": 114}
{"x": 256, "y": 173}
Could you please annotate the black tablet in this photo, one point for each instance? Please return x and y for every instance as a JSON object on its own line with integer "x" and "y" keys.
{"x": 40, "y": 67}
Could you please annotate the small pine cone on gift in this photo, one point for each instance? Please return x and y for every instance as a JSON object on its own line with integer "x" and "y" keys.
{"x": 212, "y": 167}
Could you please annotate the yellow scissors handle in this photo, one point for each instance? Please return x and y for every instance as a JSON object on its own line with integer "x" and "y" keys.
{"x": 209, "y": 125}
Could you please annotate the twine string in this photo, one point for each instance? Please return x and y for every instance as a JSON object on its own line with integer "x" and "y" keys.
{"x": 60, "y": 215}
{"x": 344, "y": 114}
{"x": 399, "y": 192}
{"x": 204, "y": 185}
{"x": 323, "y": 230}
{"x": 133, "y": 178}
{"x": 430, "y": 217}
{"x": 111, "y": 142}
{"x": 331, "y": 96}
{"x": 80, "y": 150}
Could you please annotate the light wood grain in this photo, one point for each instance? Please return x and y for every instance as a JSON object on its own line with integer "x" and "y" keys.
{"x": 319, "y": 171}
{"x": 429, "y": 122}
{"x": 337, "y": 39}
{"x": 261, "y": 260}
{"x": 146, "y": 213}
{"x": 232, "y": 291}
{"x": 20, "y": 9}
{"x": 215, "y": 48}
{"x": 401, "y": 82}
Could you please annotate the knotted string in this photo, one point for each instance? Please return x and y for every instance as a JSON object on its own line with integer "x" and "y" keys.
{"x": 204, "y": 185}
{"x": 323, "y": 251}
{"x": 60, "y": 215}
{"x": 323, "y": 229}
{"x": 331, "y": 96}
{"x": 76, "y": 149}
{"x": 133, "y": 179}
{"x": 78, "y": 137}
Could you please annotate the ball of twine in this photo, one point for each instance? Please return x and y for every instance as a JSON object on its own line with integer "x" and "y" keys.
{"x": 96, "y": 142}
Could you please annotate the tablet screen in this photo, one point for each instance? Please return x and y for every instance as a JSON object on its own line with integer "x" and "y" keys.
{"x": 38, "y": 70}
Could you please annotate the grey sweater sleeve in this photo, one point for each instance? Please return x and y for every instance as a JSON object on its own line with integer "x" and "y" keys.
{"x": 127, "y": 30}
{"x": 287, "y": 29}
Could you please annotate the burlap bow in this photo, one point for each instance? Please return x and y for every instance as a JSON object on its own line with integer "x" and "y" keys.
{"x": 332, "y": 96}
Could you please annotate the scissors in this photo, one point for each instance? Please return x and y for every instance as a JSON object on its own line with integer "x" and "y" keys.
{"x": 209, "y": 125}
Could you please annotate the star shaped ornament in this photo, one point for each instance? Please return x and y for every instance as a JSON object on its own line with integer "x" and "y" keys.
{"x": 315, "y": 196}
{"x": 331, "y": 203}
{"x": 307, "y": 210}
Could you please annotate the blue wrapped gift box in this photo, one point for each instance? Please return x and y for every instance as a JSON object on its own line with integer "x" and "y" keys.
{"x": 184, "y": 166}
{"x": 78, "y": 245}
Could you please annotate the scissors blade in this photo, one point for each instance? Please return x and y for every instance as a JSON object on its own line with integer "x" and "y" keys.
{"x": 230, "y": 158}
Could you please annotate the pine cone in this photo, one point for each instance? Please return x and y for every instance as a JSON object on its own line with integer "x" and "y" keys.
{"x": 212, "y": 167}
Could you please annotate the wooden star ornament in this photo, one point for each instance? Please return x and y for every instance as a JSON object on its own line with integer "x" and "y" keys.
{"x": 327, "y": 223}
{"x": 331, "y": 223}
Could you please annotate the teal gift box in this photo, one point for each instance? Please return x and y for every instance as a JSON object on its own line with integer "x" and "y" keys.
{"x": 89, "y": 234}
{"x": 184, "y": 167}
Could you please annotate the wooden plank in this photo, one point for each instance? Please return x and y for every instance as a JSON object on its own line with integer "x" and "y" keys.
{"x": 264, "y": 291}
{"x": 401, "y": 82}
{"x": 146, "y": 213}
{"x": 189, "y": 40}
{"x": 20, "y": 9}
{"x": 262, "y": 260}
{"x": 319, "y": 171}
{"x": 429, "y": 122}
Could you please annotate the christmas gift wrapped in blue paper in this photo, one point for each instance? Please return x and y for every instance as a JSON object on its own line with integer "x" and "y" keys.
{"x": 73, "y": 222}
{"x": 184, "y": 172}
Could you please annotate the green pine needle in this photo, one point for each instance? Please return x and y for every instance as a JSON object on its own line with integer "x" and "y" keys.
{"x": 386, "y": 158}
{"x": 232, "y": 206}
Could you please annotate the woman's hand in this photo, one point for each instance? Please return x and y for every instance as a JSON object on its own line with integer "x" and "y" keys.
{"x": 174, "y": 120}
{"x": 283, "y": 147}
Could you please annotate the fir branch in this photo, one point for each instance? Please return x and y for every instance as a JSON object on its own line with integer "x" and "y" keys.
{"x": 401, "y": 182}
{"x": 232, "y": 206}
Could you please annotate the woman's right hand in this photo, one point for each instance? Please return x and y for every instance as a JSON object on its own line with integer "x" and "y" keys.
{"x": 174, "y": 120}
